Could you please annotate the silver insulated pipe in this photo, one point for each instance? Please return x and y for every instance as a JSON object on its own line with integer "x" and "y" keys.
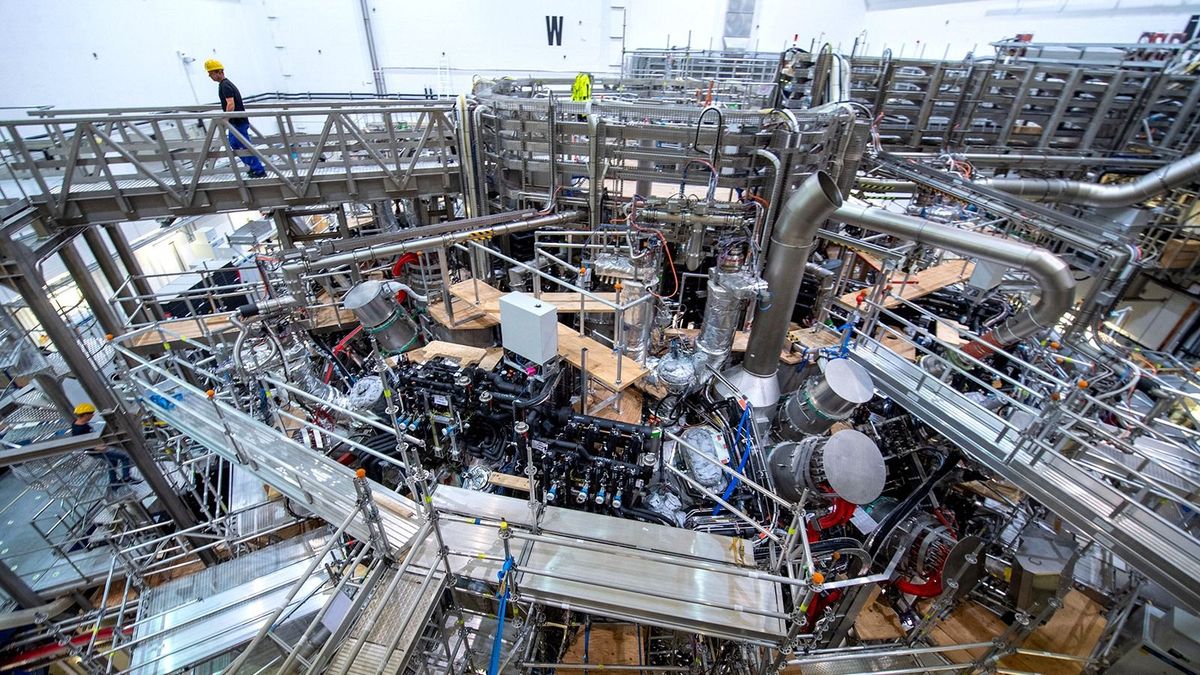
{"x": 791, "y": 241}
{"x": 1055, "y": 282}
{"x": 1064, "y": 191}
{"x": 807, "y": 207}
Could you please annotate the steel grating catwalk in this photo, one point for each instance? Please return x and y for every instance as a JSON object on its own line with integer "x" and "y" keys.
{"x": 403, "y": 619}
{"x": 194, "y": 618}
{"x": 704, "y": 601}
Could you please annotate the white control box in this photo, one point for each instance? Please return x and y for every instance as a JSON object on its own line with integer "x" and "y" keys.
{"x": 529, "y": 327}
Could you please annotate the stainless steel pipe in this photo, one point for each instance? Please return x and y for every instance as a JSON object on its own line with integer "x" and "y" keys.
{"x": 292, "y": 271}
{"x": 1052, "y": 274}
{"x": 1064, "y": 191}
{"x": 802, "y": 215}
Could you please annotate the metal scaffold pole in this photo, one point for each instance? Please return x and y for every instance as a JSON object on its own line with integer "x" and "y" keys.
{"x": 26, "y": 279}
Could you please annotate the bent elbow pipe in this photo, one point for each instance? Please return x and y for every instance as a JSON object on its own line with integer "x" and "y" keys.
{"x": 1051, "y": 272}
{"x": 1057, "y": 190}
{"x": 806, "y": 209}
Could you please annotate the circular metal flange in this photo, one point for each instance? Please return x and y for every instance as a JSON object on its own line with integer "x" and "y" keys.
{"x": 960, "y": 557}
{"x": 854, "y": 466}
{"x": 849, "y": 381}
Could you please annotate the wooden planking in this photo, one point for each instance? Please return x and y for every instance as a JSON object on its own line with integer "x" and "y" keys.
{"x": 509, "y": 481}
{"x": 948, "y": 332}
{"x": 922, "y": 283}
{"x": 465, "y": 355}
{"x": 329, "y": 316}
{"x": 601, "y": 361}
{"x": 326, "y": 316}
{"x": 878, "y": 621}
{"x": 870, "y": 260}
{"x": 1074, "y": 629}
{"x": 608, "y": 644}
{"x": 901, "y": 346}
{"x": 567, "y": 303}
{"x": 629, "y": 402}
{"x": 494, "y": 356}
{"x": 195, "y": 328}
{"x": 814, "y": 338}
{"x": 462, "y": 309}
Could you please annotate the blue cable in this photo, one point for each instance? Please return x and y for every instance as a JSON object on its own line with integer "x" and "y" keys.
{"x": 587, "y": 638}
{"x": 743, "y": 428}
{"x": 494, "y": 663}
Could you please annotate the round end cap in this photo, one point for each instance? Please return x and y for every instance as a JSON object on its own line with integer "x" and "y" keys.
{"x": 850, "y": 381}
{"x": 854, "y": 466}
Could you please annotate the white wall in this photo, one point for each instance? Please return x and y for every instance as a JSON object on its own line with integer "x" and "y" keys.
{"x": 779, "y": 22}
{"x": 488, "y": 38}
{"x": 93, "y": 53}
{"x": 119, "y": 53}
{"x": 956, "y": 28}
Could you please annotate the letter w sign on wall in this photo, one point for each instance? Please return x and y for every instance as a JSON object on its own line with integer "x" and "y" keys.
{"x": 554, "y": 26}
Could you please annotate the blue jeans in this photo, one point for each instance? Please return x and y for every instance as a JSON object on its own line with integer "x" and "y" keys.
{"x": 249, "y": 160}
{"x": 116, "y": 459}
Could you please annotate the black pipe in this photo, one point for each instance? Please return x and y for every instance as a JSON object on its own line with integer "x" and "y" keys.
{"x": 877, "y": 538}
{"x": 571, "y": 446}
{"x": 651, "y": 516}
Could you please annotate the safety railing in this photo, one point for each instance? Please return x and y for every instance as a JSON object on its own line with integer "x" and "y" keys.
{"x": 311, "y": 480}
{"x": 176, "y": 155}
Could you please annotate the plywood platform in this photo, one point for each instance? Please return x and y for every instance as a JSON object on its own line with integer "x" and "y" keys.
{"x": 1074, "y": 629}
{"x": 466, "y": 316}
{"x": 922, "y": 283}
{"x": 601, "y": 361}
{"x": 202, "y": 327}
{"x": 198, "y": 328}
{"x": 567, "y": 303}
{"x": 465, "y": 355}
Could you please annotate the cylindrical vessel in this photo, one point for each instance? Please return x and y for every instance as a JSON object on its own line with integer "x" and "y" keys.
{"x": 847, "y": 464}
{"x": 825, "y": 399}
{"x": 374, "y": 305}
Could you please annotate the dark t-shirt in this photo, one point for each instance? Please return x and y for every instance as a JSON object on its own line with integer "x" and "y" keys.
{"x": 80, "y": 429}
{"x": 227, "y": 90}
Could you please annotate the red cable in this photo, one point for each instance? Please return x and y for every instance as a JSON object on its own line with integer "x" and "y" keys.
{"x": 929, "y": 589}
{"x": 840, "y": 515}
{"x": 341, "y": 345}
{"x": 398, "y": 268}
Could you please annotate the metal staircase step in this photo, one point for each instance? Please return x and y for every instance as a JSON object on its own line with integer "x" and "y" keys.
{"x": 405, "y": 613}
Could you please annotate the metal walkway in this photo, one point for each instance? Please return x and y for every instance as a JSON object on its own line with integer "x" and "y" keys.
{"x": 1092, "y": 506}
{"x": 606, "y": 575}
{"x": 112, "y": 166}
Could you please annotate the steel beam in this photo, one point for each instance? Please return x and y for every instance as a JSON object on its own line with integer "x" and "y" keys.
{"x": 59, "y": 445}
{"x": 108, "y": 266}
{"x": 28, "y": 282}
{"x": 151, "y": 310}
{"x": 87, "y": 286}
{"x": 17, "y": 589}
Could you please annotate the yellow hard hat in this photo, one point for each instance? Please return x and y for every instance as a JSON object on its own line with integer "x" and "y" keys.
{"x": 84, "y": 408}
{"x": 213, "y": 64}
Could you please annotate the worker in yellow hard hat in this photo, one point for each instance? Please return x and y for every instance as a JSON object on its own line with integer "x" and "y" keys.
{"x": 84, "y": 413}
{"x": 231, "y": 101}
